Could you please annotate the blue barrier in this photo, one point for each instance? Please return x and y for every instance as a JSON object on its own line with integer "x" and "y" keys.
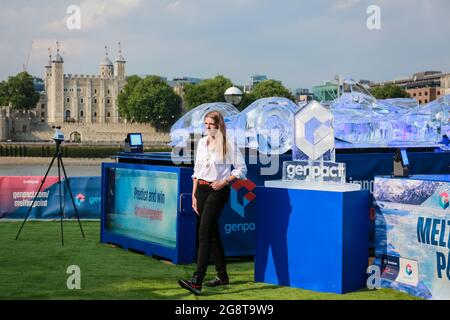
{"x": 17, "y": 193}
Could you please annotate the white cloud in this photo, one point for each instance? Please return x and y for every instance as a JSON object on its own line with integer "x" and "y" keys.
{"x": 175, "y": 5}
{"x": 346, "y": 4}
{"x": 98, "y": 13}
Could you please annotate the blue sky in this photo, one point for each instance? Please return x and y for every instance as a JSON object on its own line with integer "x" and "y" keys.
{"x": 301, "y": 43}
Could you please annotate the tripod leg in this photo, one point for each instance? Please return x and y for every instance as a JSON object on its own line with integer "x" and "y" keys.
{"x": 71, "y": 196}
{"x": 60, "y": 201}
{"x": 35, "y": 197}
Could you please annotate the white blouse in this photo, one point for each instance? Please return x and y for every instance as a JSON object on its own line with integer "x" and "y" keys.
{"x": 208, "y": 167}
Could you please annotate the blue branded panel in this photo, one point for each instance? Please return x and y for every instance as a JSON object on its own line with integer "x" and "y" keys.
{"x": 413, "y": 234}
{"x": 87, "y": 196}
{"x": 118, "y": 205}
{"x": 313, "y": 240}
{"x": 238, "y": 221}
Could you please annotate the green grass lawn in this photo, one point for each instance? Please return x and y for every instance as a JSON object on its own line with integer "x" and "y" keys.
{"x": 34, "y": 267}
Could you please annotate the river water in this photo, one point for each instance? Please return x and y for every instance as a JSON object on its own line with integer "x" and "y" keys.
{"x": 40, "y": 170}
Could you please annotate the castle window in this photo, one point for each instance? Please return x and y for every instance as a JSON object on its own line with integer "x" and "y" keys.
{"x": 109, "y": 115}
{"x": 68, "y": 99}
{"x": 79, "y": 90}
{"x": 81, "y": 113}
{"x": 67, "y": 114}
{"x": 95, "y": 100}
{"x": 81, "y": 100}
{"x": 108, "y": 91}
{"x": 95, "y": 90}
{"x": 42, "y": 114}
{"x": 107, "y": 101}
{"x": 42, "y": 106}
{"x": 95, "y": 114}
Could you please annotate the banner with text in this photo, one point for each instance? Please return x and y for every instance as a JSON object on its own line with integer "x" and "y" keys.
{"x": 413, "y": 236}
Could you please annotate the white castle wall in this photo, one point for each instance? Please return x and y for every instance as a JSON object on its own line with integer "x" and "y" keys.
{"x": 96, "y": 133}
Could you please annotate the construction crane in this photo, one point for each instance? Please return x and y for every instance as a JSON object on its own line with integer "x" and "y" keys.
{"x": 25, "y": 65}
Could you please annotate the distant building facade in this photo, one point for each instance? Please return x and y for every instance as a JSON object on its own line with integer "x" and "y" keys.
{"x": 178, "y": 84}
{"x": 423, "y": 86}
{"x": 425, "y": 95}
{"x": 254, "y": 80}
{"x": 329, "y": 91}
{"x": 303, "y": 96}
{"x": 82, "y": 98}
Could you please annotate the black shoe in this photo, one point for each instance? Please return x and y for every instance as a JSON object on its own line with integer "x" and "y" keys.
{"x": 217, "y": 282}
{"x": 194, "y": 285}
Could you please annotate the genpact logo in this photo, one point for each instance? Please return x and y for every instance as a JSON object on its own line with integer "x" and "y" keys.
{"x": 315, "y": 171}
{"x": 313, "y": 130}
{"x": 248, "y": 197}
{"x": 443, "y": 200}
{"x": 408, "y": 270}
{"x": 79, "y": 199}
{"x": 239, "y": 227}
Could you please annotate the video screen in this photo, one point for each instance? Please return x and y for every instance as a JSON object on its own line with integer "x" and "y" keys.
{"x": 142, "y": 205}
{"x": 135, "y": 139}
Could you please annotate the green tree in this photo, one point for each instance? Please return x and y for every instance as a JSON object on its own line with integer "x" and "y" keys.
{"x": 123, "y": 96}
{"x": 389, "y": 91}
{"x": 265, "y": 89}
{"x": 210, "y": 90}
{"x": 19, "y": 92}
{"x": 3, "y": 97}
{"x": 154, "y": 101}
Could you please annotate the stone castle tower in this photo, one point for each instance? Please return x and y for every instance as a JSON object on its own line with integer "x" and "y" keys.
{"x": 83, "y": 98}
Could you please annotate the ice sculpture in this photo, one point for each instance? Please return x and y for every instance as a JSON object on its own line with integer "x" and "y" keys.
{"x": 360, "y": 119}
{"x": 191, "y": 123}
{"x": 434, "y": 115}
{"x": 313, "y": 140}
{"x": 266, "y": 125}
{"x": 405, "y": 103}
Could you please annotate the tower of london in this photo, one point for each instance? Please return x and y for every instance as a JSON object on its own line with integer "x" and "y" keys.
{"x": 82, "y": 98}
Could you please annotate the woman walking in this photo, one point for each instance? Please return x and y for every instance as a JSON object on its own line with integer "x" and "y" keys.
{"x": 210, "y": 192}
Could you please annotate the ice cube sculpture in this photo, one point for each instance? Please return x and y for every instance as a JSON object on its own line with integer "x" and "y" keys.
{"x": 191, "y": 123}
{"x": 267, "y": 125}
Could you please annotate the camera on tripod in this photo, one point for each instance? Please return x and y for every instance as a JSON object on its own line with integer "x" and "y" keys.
{"x": 58, "y": 136}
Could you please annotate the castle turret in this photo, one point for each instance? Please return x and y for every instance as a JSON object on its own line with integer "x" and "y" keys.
{"x": 56, "y": 94}
{"x": 106, "y": 67}
{"x": 119, "y": 65}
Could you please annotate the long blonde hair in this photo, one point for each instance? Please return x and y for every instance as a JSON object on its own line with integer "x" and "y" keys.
{"x": 221, "y": 135}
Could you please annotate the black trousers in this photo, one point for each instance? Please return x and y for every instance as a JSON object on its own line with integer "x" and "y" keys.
{"x": 209, "y": 205}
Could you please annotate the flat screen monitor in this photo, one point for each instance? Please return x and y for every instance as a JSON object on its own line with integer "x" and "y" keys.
{"x": 135, "y": 139}
{"x": 134, "y": 142}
